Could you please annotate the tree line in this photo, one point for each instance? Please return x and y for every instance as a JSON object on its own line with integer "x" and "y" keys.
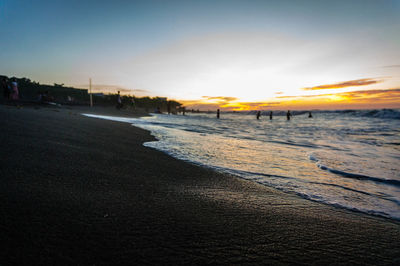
{"x": 30, "y": 90}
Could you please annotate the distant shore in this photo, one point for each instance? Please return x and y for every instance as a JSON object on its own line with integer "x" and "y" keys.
{"x": 79, "y": 190}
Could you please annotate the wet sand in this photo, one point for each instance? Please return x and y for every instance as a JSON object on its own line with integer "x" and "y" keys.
{"x": 82, "y": 191}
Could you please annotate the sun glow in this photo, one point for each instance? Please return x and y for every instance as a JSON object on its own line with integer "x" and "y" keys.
{"x": 364, "y": 99}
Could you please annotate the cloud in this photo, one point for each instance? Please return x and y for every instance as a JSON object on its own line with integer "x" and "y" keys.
{"x": 221, "y": 98}
{"x": 350, "y": 83}
{"x": 200, "y": 105}
{"x": 391, "y": 66}
{"x": 367, "y": 94}
{"x": 232, "y": 103}
{"x": 387, "y": 94}
{"x": 139, "y": 90}
{"x": 259, "y": 104}
{"x": 360, "y": 99}
{"x": 301, "y": 96}
{"x": 227, "y": 105}
{"x": 353, "y": 99}
{"x": 211, "y": 102}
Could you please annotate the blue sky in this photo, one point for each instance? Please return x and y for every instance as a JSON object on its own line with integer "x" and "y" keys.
{"x": 188, "y": 49}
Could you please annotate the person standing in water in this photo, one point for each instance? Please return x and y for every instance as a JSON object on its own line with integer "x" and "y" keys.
{"x": 288, "y": 115}
{"x": 258, "y": 115}
{"x": 309, "y": 115}
{"x": 217, "y": 113}
{"x": 270, "y": 115}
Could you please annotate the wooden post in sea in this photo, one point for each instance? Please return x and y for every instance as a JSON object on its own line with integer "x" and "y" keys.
{"x": 90, "y": 92}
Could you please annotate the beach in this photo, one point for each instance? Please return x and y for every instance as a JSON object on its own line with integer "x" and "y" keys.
{"x": 83, "y": 191}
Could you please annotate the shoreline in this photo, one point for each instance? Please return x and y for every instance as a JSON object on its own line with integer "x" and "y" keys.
{"x": 211, "y": 168}
{"x": 230, "y": 171}
{"x": 68, "y": 197}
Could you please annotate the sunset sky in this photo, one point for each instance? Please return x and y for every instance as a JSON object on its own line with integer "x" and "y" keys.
{"x": 228, "y": 54}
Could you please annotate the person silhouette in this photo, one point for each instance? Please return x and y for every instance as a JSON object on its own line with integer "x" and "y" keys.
{"x": 288, "y": 115}
{"x": 309, "y": 115}
{"x": 14, "y": 92}
{"x": 270, "y": 115}
{"x": 258, "y": 115}
{"x": 119, "y": 101}
{"x": 217, "y": 113}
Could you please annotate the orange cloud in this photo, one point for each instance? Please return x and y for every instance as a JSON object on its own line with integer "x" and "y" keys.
{"x": 350, "y": 83}
{"x": 227, "y": 103}
{"x": 220, "y": 98}
{"x": 252, "y": 105}
{"x": 377, "y": 95}
{"x": 386, "y": 98}
{"x": 211, "y": 103}
{"x": 354, "y": 94}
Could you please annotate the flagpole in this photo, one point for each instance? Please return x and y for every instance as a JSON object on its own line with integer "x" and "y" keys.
{"x": 90, "y": 92}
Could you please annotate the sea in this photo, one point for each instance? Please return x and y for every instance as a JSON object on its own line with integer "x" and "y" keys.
{"x": 348, "y": 158}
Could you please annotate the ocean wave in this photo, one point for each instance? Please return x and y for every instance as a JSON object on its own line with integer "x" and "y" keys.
{"x": 375, "y": 113}
{"x": 243, "y": 173}
{"x": 384, "y": 113}
{"x": 392, "y": 182}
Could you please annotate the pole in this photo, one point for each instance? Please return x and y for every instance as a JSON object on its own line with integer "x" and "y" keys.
{"x": 90, "y": 92}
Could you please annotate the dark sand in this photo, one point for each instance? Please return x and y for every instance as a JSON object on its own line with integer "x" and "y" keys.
{"x": 77, "y": 190}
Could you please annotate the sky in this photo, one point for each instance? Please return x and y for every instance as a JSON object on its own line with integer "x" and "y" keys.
{"x": 233, "y": 55}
